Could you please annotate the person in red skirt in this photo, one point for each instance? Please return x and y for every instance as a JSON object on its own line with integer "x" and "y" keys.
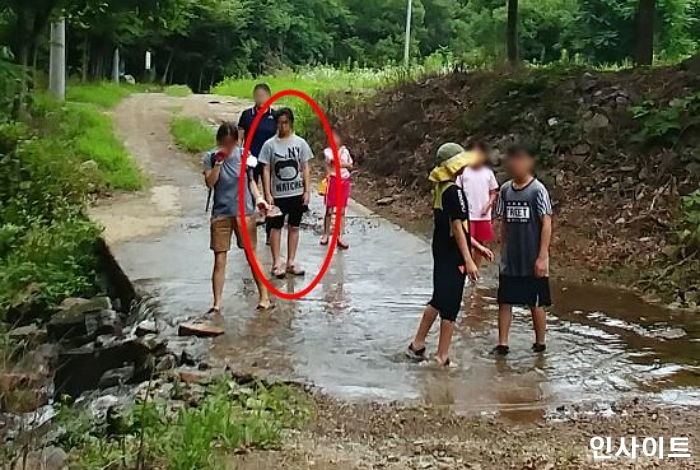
{"x": 331, "y": 199}
{"x": 481, "y": 188}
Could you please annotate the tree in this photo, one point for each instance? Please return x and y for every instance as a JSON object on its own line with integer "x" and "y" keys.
{"x": 646, "y": 12}
{"x": 512, "y": 32}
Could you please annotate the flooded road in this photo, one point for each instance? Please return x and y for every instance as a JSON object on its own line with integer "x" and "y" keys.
{"x": 347, "y": 337}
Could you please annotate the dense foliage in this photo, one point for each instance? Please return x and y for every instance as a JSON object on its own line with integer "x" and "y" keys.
{"x": 198, "y": 42}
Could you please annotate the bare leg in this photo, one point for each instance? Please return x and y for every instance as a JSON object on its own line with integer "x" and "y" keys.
{"x": 342, "y": 227}
{"x": 426, "y": 323}
{"x": 218, "y": 277}
{"x": 447, "y": 328}
{"x": 275, "y": 237}
{"x": 327, "y": 231}
{"x": 292, "y": 245}
{"x": 539, "y": 321}
{"x": 263, "y": 296}
{"x": 505, "y": 317}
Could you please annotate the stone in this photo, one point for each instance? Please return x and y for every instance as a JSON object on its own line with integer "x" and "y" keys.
{"x": 200, "y": 330}
{"x": 114, "y": 377}
{"x": 48, "y": 458}
{"x": 70, "y": 321}
{"x": 154, "y": 343}
{"x": 31, "y": 335}
{"x": 166, "y": 363}
{"x": 385, "y": 201}
{"x": 596, "y": 122}
{"x": 146, "y": 327}
{"x": 22, "y": 392}
{"x": 581, "y": 149}
{"x": 194, "y": 376}
{"x": 104, "y": 322}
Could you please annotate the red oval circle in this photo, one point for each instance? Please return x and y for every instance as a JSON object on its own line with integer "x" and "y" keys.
{"x": 241, "y": 196}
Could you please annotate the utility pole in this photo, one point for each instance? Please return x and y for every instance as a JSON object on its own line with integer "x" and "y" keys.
{"x": 116, "y": 65}
{"x": 407, "y": 47}
{"x": 57, "y": 60}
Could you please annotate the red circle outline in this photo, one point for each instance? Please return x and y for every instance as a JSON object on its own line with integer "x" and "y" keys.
{"x": 241, "y": 196}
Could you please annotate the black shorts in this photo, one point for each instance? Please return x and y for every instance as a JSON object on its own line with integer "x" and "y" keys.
{"x": 290, "y": 206}
{"x": 448, "y": 285}
{"x": 526, "y": 290}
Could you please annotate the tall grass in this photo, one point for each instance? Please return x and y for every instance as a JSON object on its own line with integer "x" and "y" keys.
{"x": 103, "y": 94}
{"x": 178, "y": 91}
{"x": 191, "y": 135}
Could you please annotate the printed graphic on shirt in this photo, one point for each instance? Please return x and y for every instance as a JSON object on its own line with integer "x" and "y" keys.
{"x": 287, "y": 171}
{"x": 517, "y": 211}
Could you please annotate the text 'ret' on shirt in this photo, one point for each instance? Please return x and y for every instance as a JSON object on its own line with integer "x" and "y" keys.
{"x": 286, "y": 159}
{"x": 522, "y": 211}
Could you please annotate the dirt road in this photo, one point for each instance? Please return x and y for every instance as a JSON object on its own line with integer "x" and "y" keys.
{"x": 346, "y": 337}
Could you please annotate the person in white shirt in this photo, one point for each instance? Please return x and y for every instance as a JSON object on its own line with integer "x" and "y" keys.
{"x": 481, "y": 188}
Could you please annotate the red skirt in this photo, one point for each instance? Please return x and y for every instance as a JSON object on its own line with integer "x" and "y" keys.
{"x": 332, "y": 195}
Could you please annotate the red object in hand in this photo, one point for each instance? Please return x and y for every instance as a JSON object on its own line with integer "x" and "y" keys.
{"x": 220, "y": 156}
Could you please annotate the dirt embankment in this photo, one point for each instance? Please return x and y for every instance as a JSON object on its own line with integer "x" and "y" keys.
{"x": 617, "y": 151}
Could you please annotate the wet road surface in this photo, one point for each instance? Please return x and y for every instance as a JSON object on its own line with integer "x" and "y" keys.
{"x": 348, "y": 336}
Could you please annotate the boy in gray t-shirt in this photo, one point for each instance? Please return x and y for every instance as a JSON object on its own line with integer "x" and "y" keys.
{"x": 525, "y": 211}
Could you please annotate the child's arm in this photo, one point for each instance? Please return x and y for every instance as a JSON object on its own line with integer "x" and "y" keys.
{"x": 266, "y": 184}
{"x": 493, "y": 194}
{"x": 212, "y": 170}
{"x": 488, "y": 254}
{"x": 545, "y": 240}
{"x": 471, "y": 270}
{"x": 307, "y": 183}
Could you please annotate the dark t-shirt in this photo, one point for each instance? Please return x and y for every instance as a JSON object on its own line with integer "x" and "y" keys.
{"x": 454, "y": 207}
{"x": 265, "y": 131}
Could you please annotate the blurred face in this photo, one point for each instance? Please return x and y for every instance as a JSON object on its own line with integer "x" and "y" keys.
{"x": 338, "y": 139}
{"x": 228, "y": 143}
{"x": 521, "y": 165}
{"x": 260, "y": 96}
{"x": 481, "y": 159}
{"x": 284, "y": 126}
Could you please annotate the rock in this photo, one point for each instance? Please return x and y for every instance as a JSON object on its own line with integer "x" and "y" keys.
{"x": 596, "y": 122}
{"x": 114, "y": 377}
{"x": 154, "y": 343}
{"x": 201, "y": 330}
{"x": 581, "y": 149}
{"x": 551, "y": 122}
{"x": 104, "y": 322}
{"x": 166, "y": 363}
{"x": 22, "y": 392}
{"x": 194, "y": 376}
{"x": 48, "y": 458}
{"x": 146, "y": 327}
{"x": 385, "y": 201}
{"x": 31, "y": 335}
{"x": 70, "y": 321}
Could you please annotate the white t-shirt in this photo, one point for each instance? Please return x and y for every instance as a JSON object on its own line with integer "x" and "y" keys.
{"x": 345, "y": 158}
{"x": 477, "y": 185}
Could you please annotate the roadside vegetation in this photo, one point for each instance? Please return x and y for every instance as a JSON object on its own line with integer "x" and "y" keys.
{"x": 162, "y": 433}
{"x": 191, "y": 134}
{"x": 178, "y": 91}
{"x": 103, "y": 94}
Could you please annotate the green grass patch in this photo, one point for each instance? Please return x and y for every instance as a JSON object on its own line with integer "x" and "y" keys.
{"x": 178, "y": 91}
{"x": 103, "y": 94}
{"x": 160, "y": 434}
{"x": 191, "y": 135}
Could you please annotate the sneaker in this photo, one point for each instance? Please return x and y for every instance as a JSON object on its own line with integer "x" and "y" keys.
{"x": 500, "y": 350}
{"x": 539, "y": 348}
{"x": 416, "y": 355}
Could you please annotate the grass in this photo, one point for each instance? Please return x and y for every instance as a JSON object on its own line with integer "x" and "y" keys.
{"x": 103, "y": 94}
{"x": 178, "y": 91}
{"x": 164, "y": 435}
{"x": 191, "y": 135}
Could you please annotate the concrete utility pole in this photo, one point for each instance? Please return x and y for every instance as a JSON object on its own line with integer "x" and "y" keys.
{"x": 407, "y": 47}
{"x": 116, "y": 65}
{"x": 57, "y": 60}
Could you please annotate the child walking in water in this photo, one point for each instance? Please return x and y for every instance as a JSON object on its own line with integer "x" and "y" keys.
{"x": 221, "y": 173}
{"x": 481, "y": 188}
{"x": 332, "y": 201}
{"x": 526, "y": 223}
{"x": 452, "y": 252}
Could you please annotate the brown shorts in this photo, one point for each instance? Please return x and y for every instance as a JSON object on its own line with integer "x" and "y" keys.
{"x": 222, "y": 230}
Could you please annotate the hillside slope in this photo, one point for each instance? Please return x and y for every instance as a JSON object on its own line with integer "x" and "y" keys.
{"x": 618, "y": 151}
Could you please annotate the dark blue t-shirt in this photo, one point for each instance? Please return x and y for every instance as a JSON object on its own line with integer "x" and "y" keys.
{"x": 266, "y": 129}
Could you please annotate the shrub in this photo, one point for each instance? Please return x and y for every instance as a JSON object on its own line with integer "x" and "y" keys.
{"x": 103, "y": 94}
{"x": 178, "y": 91}
{"x": 191, "y": 135}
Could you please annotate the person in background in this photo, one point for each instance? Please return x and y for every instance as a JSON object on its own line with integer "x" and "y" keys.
{"x": 481, "y": 188}
{"x": 331, "y": 199}
{"x": 525, "y": 211}
{"x": 265, "y": 131}
{"x": 452, "y": 252}
{"x": 221, "y": 173}
{"x": 287, "y": 182}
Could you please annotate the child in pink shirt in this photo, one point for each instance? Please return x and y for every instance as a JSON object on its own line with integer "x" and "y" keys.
{"x": 481, "y": 188}
{"x": 332, "y": 201}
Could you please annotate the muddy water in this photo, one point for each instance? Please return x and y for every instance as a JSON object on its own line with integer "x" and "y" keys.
{"x": 348, "y": 335}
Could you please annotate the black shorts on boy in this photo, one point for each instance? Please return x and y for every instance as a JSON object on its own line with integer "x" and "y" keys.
{"x": 292, "y": 207}
{"x": 524, "y": 290}
{"x": 448, "y": 280}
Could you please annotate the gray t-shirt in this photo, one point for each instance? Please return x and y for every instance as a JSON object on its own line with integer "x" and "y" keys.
{"x": 226, "y": 189}
{"x": 286, "y": 158}
{"x": 522, "y": 210}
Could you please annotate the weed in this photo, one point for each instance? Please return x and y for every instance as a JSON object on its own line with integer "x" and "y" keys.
{"x": 178, "y": 91}
{"x": 191, "y": 135}
{"x": 103, "y": 94}
{"x": 665, "y": 125}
